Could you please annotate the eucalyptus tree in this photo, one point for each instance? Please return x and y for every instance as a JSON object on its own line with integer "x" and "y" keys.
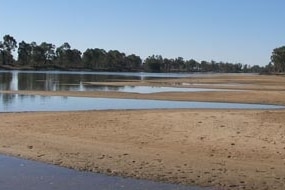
{"x": 179, "y": 64}
{"x": 205, "y": 66}
{"x": 278, "y": 59}
{"x": 87, "y": 58}
{"x": 74, "y": 57}
{"x": 94, "y": 59}
{"x": 115, "y": 60}
{"x": 37, "y": 55}
{"x": 167, "y": 63}
{"x": 8, "y": 45}
{"x": 61, "y": 53}
{"x": 24, "y": 53}
{"x": 133, "y": 63}
{"x": 66, "y": 56}
{"x": 49, "y": 52}
{"x": 192, "y": 65}
{"x": 153, "y": 63}
{"x": 43, "y": 54}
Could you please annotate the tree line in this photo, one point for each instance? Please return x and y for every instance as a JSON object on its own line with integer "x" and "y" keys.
{"x": 48, "y": 56}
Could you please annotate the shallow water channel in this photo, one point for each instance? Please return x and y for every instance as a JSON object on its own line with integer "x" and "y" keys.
{"x": 21, "y": 103}
{"x": 20, "y": 174}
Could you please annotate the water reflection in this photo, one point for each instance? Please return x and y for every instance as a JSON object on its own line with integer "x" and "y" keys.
{"x": 66, "y": 81}
{"x": 14, "y": 81}
{"x": 53, "y": 81}
{"x": 21, "y": 103}
{"x": 5, "y": 80}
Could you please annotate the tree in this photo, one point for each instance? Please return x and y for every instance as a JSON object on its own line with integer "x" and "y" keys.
{"x": 24, "y": 53}
{"x": 167, "y": 63}
{"x": 256, "y": 69}
{"x": 87, "y": 58}
{"x": 94, "y": 59}
{"x": 178, "y": 64}
{"x": 74, "y": 57}
{"x": 205, "y": 66}
{"x": 245, "y": 68}
{"x": 133, "y": 62}
{"x": 48, "y": 56}
{"x": 115, "y": 60}
{"x": 38, "y": 54}
{"x": 192, "y": 65}
{"x": 49, "y": 52}
{"x": 269, "y": 68}
{"x": 237, "y": 68}
{"x": 153, "y": 63}
{"x": 43, "y": 54}
{"x": 278, "y": 59}
{"x": 67, "y": 56}
{"x": 8, "y": 45}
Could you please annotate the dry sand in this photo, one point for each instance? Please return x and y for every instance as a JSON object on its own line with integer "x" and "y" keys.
{"x": 228, "y": 149}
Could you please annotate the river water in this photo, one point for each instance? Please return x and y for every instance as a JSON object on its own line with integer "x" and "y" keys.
{"x": 22, "y": 103}
{"x": 80, "y": 81}
{"x": 20, "y": 174}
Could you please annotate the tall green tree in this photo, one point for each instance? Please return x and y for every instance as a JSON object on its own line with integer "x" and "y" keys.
{"x": 8, "y": 45}
{"x": 24, "y": 53}
{"x": 133, "y": 62}
{"x": 115, "y": 60}
{"x": 94, "y": 59}
{"x": 179, "y": 64}
{"x": 61, "y": 53}
{"x": 278, "y": 59}
{"x": 192, "y": 65}
{"x": 38, "y": 55}
{"x": 43, "y": 54}
{"x": 66, "y": 56}
{"x": 153, "y": 63}
{"x": 49, "y": 52}
{"x": 205, "y": 66}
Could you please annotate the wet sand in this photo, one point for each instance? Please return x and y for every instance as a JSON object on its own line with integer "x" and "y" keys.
{"x": 228, "y": 149}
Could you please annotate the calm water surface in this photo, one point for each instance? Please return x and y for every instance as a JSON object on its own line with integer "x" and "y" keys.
{"x": 21, "y": 103}
{"x": 78, "y": 81}
{"x": 19, "y": 174}
{"x": 58, "y": 80}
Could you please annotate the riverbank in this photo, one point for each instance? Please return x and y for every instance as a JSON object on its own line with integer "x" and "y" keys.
{"x": 231, "y": 149}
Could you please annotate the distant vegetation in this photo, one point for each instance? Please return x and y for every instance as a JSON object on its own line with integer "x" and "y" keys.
{"x": 47, "y": 56}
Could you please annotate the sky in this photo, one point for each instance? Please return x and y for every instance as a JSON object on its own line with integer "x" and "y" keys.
{"x": 236, "y": 31}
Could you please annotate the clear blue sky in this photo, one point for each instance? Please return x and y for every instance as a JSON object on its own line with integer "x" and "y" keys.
{"x": 244, "y": 31}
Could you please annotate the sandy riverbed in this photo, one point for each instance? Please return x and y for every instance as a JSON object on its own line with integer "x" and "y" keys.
{"x": 232, "y": 149}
